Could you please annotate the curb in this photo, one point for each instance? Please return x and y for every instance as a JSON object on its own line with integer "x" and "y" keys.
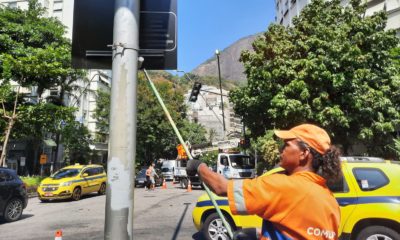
{"x": 32, "y": 195}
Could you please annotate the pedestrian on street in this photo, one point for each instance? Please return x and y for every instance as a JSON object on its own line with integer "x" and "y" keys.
{"x": 296, "y": 204}
{"x": 152, "y": 175}
{"x": 148, "y": 181}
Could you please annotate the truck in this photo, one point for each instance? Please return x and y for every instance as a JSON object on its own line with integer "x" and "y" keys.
{"x": 181, "y": 176}
{"x": 167, "y": 169}
{"x": 236, "y": 165}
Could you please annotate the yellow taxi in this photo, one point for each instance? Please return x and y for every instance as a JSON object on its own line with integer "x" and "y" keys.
{"x": 368, "y": 195}
{"x": 73, "y": 182}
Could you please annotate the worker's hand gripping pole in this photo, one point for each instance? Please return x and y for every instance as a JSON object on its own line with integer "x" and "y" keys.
{"x": 210, "y": 195}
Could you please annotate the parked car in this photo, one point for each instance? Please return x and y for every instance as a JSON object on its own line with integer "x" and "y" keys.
{"x": 13, "y": 196}
{"x": 368, "y": 195}
{"x": 140, "y": 178}
{"x": 73, "y": 182}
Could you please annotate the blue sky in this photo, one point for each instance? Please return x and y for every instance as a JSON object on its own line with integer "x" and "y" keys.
{"x": 207, "y": 25}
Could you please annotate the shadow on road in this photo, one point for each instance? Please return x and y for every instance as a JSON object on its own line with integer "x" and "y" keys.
{"x": 24, "y": 216}
{"x": 198, "y": 236}
{"x": 178, "y": 227}
{"x": 88, "y": 196}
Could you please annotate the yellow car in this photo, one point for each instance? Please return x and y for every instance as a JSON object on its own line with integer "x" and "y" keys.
{"x": 368, "y": 195}
{"x": 73, "y": 182}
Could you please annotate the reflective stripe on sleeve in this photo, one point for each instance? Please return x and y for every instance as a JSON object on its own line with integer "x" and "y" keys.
{"x": 238, "y": 196}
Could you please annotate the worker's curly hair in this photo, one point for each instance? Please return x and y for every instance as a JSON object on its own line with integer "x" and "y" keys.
{"x": 327, "y": 165}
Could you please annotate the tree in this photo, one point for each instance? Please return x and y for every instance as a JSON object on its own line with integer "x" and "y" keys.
{"x": 155, "y": 137}
{"x": 34, "y": 52}
{"x": 102, "y": 115}
{"x": 331, "y": 68}
{"x": 5, "y": 92}
{"x": 37, "y": 120}
{"x": 33, "y": 49}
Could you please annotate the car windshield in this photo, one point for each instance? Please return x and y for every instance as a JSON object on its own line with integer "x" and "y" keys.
{"x": 241, "y": 161}
{"x": 141, "y": 173}
{"x": 165, "y": 169}
{"x": 65, "y": 173}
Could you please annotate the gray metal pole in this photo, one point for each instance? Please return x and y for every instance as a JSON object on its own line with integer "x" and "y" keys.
{"x": 122, "y": 146}
{"x": 220, "y": 87}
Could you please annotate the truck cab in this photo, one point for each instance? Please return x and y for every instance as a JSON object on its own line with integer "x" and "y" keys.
{"x": 235, "y": 165}
{"x": 167, "y": 169}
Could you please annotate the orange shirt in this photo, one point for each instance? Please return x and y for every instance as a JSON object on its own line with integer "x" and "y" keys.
{"x": 299, "y": 206}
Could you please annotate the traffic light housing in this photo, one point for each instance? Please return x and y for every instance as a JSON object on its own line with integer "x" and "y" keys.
{"x": 244, "y": 142}
{"x": 195, "y": 92}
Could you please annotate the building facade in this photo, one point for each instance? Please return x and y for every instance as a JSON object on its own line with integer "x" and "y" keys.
{"x": 286, "y": 10}
{"x": 207, "y": 111}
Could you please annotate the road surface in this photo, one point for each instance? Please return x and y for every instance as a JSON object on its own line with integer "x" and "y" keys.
{"x": 160, "y": 214}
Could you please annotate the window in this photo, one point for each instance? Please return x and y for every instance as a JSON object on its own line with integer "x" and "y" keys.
{"x": 224, "y": 160}
{"x": 58, "y": 4}
{"x": 5, "y": 177}
{"x": 369, "y": 179}
{"x": 340, "y": 186}
{"x": 53, "y": 91}
{"x": 92, "y": 171}
{"x": 12, "y": 4}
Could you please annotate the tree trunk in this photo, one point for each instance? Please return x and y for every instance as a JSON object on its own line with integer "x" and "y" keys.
{"x": 4, "y": 152}
{"x": 11, "y": 121}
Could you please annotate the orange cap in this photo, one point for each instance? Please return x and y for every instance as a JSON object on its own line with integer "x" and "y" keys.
{"x": 314, "y": 136}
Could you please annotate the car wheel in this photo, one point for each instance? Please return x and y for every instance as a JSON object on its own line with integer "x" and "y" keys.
{"x": 102, "y": 189}
{"x": 76, "y": 194}
{"x": 378, "y": 233}
{"x": 184, "y": 183}
{"x": 13, "y": 210}
{"x": 214, "y": 229}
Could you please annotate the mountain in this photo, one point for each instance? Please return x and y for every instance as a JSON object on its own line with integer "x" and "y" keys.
{"x": 230, "y": 66}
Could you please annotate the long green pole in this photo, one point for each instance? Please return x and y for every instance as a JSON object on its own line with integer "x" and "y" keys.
{"x": 210, "y": 195}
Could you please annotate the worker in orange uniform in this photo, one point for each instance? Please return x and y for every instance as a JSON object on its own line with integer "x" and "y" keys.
{"x": 293, "y": 205}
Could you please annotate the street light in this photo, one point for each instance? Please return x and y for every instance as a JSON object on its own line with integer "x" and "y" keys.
{"x": 220, "y": 87}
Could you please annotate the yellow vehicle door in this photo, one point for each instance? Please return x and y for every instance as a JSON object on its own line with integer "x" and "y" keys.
{"x": 96, "y": 179}
{"x": 85, "y": 181}
{"x": 345, "y": 193}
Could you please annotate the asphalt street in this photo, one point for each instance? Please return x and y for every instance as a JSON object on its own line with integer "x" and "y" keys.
{"x": 160, "y": 214}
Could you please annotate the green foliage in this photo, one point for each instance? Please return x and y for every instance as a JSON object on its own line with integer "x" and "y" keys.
{"x": 102, "y": 114}
{"x": 395, "y": 147}
{"x": 33, "y": 49}
{"x": 76, "y": 138}
{"x": 331, "y": 68}
{"x": 32, "y": 183}
{"x": 155, "y": 136}
{"x": 210, "y": 158}
{"x": 267, "y": 151}
{"x": 192, "y": 132}
{"x": 36, "y": 120}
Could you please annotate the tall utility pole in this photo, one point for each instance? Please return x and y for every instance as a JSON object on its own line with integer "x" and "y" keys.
{"x": 220, "y": 87}
{"x": 122, "y": 146}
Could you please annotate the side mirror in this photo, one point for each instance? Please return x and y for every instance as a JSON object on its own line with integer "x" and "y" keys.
{"x": 85, "y": 175}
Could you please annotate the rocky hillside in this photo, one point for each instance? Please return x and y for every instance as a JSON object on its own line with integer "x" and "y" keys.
{"x": 231, "y": 68}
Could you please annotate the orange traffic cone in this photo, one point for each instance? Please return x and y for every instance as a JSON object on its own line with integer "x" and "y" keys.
{"x": 189, "y": 188}
{"x": 58, "y": 235}
{"x": 164, "y": 185}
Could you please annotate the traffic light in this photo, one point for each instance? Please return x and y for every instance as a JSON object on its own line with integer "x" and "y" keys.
{"x": 244, "y": 142}
{"x": 195, "y": 92}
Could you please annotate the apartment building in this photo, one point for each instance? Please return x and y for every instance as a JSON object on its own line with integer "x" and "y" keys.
{"x": 207, "y": 111}
{"x": 286, "y": 10}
